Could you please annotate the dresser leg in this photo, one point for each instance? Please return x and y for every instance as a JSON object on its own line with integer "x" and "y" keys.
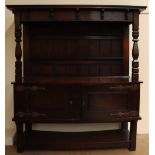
{"x": 133, "y": 134}
{"x": 20, "y": 137}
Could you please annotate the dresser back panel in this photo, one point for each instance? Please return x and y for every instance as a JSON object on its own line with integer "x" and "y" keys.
{"x": 75, "y": 49}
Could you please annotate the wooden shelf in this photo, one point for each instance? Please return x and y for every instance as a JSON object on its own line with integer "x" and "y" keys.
{"x": 80, "y": 80}
{"x": 77, "y": 140}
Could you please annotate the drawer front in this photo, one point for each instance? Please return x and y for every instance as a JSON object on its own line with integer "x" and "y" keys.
{"x": 55, "y": 103}
{"x": 110, "y": 102}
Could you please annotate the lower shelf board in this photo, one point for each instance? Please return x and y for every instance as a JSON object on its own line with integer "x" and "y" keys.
{"x": 77, "y": 140}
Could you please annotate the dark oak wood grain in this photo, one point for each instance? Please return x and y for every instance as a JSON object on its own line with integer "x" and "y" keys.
{"x": 76, "y": 70}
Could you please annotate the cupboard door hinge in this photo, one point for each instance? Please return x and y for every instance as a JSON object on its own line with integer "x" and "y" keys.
{"x": 20, "y": 88}
{"x": 35, "y": 88}
{"x": 29, "y": 115}
{"x": 125, "y": 87}
{"x": 125, "y": 114}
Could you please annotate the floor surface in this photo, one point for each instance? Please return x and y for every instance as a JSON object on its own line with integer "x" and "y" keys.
{"x": 142, "y": 149}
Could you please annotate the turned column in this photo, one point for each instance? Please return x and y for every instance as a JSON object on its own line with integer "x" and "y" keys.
{"x": 135, "y": 49}
{"x": 18, "y": 50}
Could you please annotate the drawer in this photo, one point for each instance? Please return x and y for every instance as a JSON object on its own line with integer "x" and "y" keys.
{"x": 110, "y": 102}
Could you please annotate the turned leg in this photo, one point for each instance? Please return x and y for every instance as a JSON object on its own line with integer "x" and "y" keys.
{"x": 20, "y": 137}
{"x": 124, "y": 126}
{"x": 133, "y": 134}
{"x": 28, "y": 127}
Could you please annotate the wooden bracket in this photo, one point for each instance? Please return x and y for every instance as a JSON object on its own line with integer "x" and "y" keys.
{"x": 102, "y": 14}
{"x": 77, "y": 14}
{"x": 51, "y": 14}
{"x": 127, "y": 14}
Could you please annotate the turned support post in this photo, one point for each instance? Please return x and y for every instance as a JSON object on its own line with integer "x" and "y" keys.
{"x": 133, "y": 135}
{"x": 135, "y": 49}
{"x": 18, "y": 50}
{"x": 20, "y": 136}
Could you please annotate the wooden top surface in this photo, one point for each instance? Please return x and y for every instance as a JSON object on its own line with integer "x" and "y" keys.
{"x": 140, "y": 8}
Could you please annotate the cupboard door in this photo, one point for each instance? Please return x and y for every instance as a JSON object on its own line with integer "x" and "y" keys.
{"x": 110, "y": 103}
{"x": 55, "y": 103}
{"x": 52, "y": 103}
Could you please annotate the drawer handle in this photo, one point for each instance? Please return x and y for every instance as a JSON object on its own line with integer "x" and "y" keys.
{"x": 122, "y": 87}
